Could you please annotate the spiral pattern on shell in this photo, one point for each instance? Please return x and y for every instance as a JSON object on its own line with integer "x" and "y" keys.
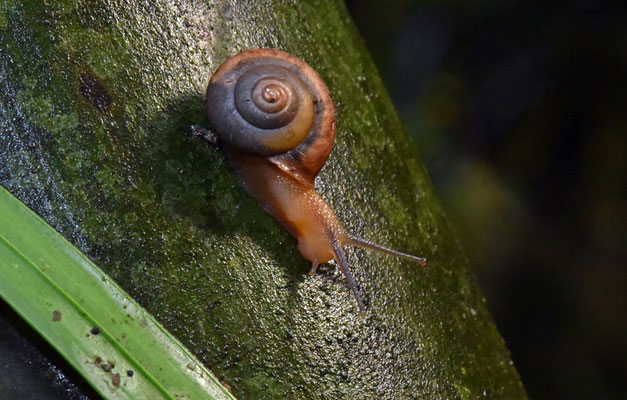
{"x": 271, "y": 103}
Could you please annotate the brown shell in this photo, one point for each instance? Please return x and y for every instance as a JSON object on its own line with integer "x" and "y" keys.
{"x": 307, "y": 158}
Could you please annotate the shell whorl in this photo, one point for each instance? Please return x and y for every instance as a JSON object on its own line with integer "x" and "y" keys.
{"x": 271, "y": 103}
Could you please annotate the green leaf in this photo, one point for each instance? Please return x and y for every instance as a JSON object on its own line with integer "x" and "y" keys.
{"x": 99, "y": 329}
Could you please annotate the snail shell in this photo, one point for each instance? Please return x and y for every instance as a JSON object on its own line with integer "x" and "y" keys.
{"x": 271, "y": 103}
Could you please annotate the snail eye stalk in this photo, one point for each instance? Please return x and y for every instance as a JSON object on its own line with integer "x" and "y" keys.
{"x": 366, "y": 244}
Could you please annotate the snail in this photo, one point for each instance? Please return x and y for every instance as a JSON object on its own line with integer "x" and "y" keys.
{"x": 272, "y": 115}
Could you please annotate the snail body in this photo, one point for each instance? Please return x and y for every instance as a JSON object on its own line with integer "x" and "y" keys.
{"x": 299, "y": 208}
{"x": 273, "y": 116}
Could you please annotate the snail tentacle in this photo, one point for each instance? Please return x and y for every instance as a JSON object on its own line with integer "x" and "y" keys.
{"x": 340, "y": 256}
{"x": 367, "y": 244}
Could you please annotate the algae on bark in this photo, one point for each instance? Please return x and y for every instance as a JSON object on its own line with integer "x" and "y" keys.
{"x": 95, "y": 112}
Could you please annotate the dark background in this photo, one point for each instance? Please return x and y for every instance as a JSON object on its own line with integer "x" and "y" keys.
{"x": 519, "y": 110}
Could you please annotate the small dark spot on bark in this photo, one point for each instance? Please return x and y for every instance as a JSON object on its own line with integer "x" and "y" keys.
{"x": 95, "y": 330}
{"x": 115, "y": 380}
{"x": 95, "y": 93}
{"x": 56, "y": 316}
{"x": 130, "y": 373}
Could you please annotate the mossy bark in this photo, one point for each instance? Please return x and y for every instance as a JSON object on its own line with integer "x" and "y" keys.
{"x": 95, "y": 112}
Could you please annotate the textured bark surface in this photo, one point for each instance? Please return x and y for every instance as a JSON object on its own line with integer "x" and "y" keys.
{"x": 97, "y": 99}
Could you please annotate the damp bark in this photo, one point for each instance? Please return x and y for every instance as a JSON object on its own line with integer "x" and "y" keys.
{"x": 97, "y": 102}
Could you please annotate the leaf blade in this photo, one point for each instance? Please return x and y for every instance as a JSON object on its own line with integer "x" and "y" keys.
{"x": 63, "y": 295}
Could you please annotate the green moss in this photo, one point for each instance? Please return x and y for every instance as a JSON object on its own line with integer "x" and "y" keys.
{"x": 262, "y": 386}
{"x": 394, "y": 211}
{"x": 463, "y": 392}
{"x": 92, "y": 48}
{"x": 45, "y": 114}
{"x": 7, "y": 8}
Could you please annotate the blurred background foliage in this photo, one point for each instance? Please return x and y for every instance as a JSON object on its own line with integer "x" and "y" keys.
{"x": 519, "y": 110}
